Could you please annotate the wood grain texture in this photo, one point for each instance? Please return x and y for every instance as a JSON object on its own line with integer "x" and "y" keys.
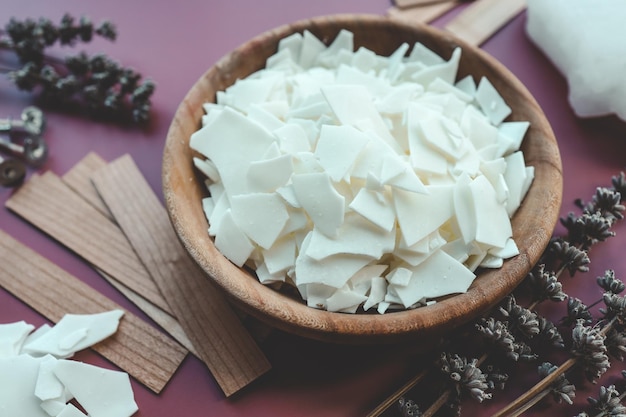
{"x": 483, "y": 18}
{"x": 532, "y": 224}
{"x": 139, "y": 349}
{"x": 79, "y": 179}
{"x": 405, "y": 4}
{"x": 422, "y": 14}
{"x": 49, "y": 204}
{"x": 167, "y": 322}
{"x": 216, "y": 332}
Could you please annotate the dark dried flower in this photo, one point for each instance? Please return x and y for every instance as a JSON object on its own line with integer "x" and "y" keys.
{"x": 619, "y": 185}
{"x": 606, "y": 201}
{"x": 96, "y": 83}
{"x": 572, "y": 258}
{"x": 520, "y": 318}
{"x": 464, "y": 375}
{"x": 587, "y": 229}
{"x": 107, "y": 30}
{"x": 497, "y": 333}
{"x": 616, "y": 343}
{"x": 576, "y": 310}
{"x": 609, "y": 283}
{"x": 588, "y": 346}
{"x": 561, "y": 388}
{"x": 549, "y": 332}
{"x": 615, "y": 307}
{"x": 495, "y": 378}
{"x": 408, "y": 408}
{"x": 545, "y": 285}
{"x": 608, "y": 403}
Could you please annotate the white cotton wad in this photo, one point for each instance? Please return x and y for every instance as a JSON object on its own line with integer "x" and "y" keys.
{"x": 586, "y": 40}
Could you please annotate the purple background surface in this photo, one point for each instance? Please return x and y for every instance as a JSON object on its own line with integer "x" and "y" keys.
{"x": 174, "y": 43}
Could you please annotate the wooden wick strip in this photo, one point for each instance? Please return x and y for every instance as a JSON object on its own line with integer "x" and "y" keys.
{"x": 79, "y": 179}
{"x": 220, "y": 339}
{"x": 405, "y": 4}
{"x": 480, "y": 20}
{"x": 49, "y": 204}
{"x": 423, "y": 14}
{"x": 160, "y": 317}
{"x": 137, "y": 348}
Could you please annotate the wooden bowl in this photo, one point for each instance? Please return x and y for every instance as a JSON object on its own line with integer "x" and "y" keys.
{"x": 533, "y": 224}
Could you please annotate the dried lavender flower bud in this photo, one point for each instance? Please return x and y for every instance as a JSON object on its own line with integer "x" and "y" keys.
{"x": 465, "y": 376}
{"x": 561, "y": 389}
{"x": 107, "y": 30}
{"x": 497, "y": 333}
{"x": 572, "y": 258}
{"x": 549, "y": 332}
{"x": 520, "y": 318}
{"x": 495, "y": 378}
{"x": 616, "y": 344}
{"x": 408, "y": 408}
{"x": 609, "y": 283}
{"x": 576, "y": 310}
{"x": 607, "y": 201}
{"x": 545, "y": 285}
{"x": 588, "y": 228}
{"x": 608, "y": 402}
{"x": 619, "y": 185}
{"x": 588, "y": 346}
{"x": 615, "y": 307}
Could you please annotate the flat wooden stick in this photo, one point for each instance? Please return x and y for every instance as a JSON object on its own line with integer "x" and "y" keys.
{"x": 49, "y": 204}
{"x": 480, "y": 20}
{"x": 79, "y": 179}
{"x": 422, "y": 14}
{"x": 160, "y": 317}
{"x": 137, "y": 348}
{"x": 405, "y": 4}
{"x": 219, "y": 337}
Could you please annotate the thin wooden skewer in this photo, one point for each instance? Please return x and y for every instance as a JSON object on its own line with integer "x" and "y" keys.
{"x": 389, "y": 401}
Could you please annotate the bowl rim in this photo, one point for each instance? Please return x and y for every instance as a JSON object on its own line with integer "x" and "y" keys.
{"x": 269, "y": 305}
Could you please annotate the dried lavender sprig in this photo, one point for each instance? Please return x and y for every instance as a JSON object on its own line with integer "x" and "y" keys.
{"x": 573, "y": 259}
{"x": 561, "y": 389}
{"x": 96, "y": 83}
{"x": 29, "y": 38}
{"x": 608, "y": 403}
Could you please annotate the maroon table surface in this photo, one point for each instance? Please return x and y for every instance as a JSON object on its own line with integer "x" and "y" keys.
{"x": 173, "y": 43}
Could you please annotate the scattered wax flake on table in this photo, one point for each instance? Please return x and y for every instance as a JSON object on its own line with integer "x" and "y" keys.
{"x": 331, "y": 161}
{"x": 583, "y": 39}
{"x": 36, "y": 380}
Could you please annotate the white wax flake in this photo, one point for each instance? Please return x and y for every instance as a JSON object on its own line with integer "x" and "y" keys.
{"x": 356, "y": 236}
{"x": 261, "y": 216}
{"x": 75, "y": 332}
{"x": 375, "y": 207}
{"x": 324, "y": 205}
{"x": 42, "y": 386}
{"x": 70, "y": 411}
{"x": 338, "y": 148}
{"x": 493, "y": 226}
{"x": 366, "y": 181}
{"x": 491, "y": 103}
{"x": 48, "y": 386}
{"x": 94, "y": 387}
{"x": 232, "y": 241}
{"x": 439, "y": 275}
{"x": 12, "y": 337}
{"x": 421, "y": 214}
